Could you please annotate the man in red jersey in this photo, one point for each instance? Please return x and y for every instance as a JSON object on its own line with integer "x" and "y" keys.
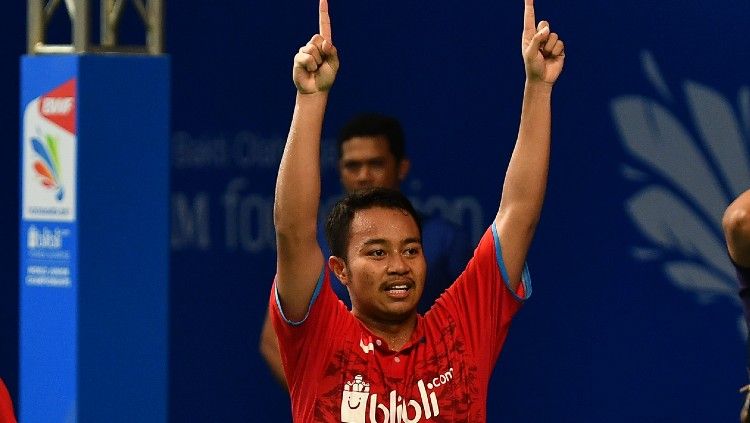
{"x": 382, "y": 361}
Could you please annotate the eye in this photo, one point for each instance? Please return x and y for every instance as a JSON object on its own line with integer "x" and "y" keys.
{"x": 411, "y": 251}
{"x": 352, "y": 166}
{"x": 377, "y": 163}
{"x": 377, "y": 253}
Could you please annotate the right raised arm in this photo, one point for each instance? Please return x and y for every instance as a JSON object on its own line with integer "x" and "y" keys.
{"x": 526, "y": 178}
{"x": 299, "y": 257}
{"x": 736, "y": 223}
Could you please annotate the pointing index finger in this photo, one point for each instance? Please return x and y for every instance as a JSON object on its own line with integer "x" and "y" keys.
{"x": 529, "y": 20}
{"x": 324, "y": 21}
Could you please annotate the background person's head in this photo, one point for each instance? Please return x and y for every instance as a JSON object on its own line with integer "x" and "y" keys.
{"x": 371, "y": 153}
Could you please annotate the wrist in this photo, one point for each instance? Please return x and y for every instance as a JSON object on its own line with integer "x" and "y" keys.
{"x": 538, "y": 87}
{"x": 320, "y": 97}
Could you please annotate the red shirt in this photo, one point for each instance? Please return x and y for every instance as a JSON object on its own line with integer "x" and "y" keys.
{"x": 339, "y": 371}
{"x": 6, "y": 405}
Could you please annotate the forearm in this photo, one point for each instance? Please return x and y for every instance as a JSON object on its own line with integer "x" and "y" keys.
{"x": 299, "y": 258}
{"x": 526, "y": 177}
{"x": 298, "y": 184}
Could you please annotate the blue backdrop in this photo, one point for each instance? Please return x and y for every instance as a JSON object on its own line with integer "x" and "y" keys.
{"x": 634, "y": 315}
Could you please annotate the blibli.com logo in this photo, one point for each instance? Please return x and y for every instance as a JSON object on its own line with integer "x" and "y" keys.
{"x": 47, "y": 164}
{"x": 44, "y": 238}
{"x": 356, "y": 401}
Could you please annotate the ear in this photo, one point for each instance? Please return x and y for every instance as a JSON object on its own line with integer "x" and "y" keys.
{"x": 403, "y": 168}
{"x": 338, "y": 267}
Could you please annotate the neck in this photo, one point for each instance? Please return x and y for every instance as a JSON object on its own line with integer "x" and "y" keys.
{"x": 395, "y": 333}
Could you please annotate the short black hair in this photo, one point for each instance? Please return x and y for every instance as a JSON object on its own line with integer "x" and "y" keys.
{"x": 374, "y": 124}
{"x": 340, "y": 218}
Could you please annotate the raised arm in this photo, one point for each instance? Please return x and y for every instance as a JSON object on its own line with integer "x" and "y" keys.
{"x": 526, "y": 177}
{"x": 299, "y": 258}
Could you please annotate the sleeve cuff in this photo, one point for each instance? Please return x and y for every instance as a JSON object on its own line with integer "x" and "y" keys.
{"x": 523, "y": 292}
{"x": 315, "y": 294}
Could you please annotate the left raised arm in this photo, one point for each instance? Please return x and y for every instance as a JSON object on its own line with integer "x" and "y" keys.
{"x": 526, "y": 177}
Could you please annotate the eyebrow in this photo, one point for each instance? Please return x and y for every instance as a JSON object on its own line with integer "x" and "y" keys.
{"x": 375, "y": 241}
{"x": 384, "y": 241}
{"x": 375, "y": 159}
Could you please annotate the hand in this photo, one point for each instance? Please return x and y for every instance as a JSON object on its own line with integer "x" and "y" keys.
{"x": 316, "y": 63}
{"x": 543, "y": 51}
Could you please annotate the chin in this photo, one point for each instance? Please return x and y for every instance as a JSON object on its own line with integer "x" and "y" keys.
{"x": 400, "y": 312}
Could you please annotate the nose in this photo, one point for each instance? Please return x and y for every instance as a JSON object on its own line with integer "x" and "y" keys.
{"x": 397, "y": 265}
{"x": 364, "y": 176}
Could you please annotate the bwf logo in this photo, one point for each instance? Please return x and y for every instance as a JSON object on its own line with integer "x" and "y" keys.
{"x": 356, "y": 400}
{"x": 57, "y": 106}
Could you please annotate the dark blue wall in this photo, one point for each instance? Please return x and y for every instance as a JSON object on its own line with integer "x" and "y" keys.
{"x": 633, "y": 316}
{"x": 13, "y": 41}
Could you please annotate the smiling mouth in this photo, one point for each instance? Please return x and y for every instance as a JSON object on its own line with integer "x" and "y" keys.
{"x": 398, "y": 291}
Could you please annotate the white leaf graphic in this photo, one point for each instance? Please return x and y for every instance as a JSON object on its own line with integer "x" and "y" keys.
{"x": 634, "y": 174}
{"x": 685, "y": 186}
{"x": 654, "y": 136}
{"x": 651, "y": 69}
{"x": 743, "y": 99}
{"x": 697, "y": 279}
{"x": 671, "y": 224}
{"x": 714, "y": 119}
{"x": 646, "y": 254}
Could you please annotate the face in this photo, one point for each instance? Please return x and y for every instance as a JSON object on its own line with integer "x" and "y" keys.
{"x": 385, "y": 269}
{"x": 367, "y": 162}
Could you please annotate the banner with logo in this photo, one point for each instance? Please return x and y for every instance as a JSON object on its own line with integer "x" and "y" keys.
{"x": 94, "y": 241}
{"x": 49, "y": 245}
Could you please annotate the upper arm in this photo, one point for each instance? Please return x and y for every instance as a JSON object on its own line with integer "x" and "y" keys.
{"x": 736, "y": 224}
{"x": 515, "y": 231}
{"x": 298, "y": 269}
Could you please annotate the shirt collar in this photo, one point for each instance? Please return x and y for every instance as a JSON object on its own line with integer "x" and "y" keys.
{"x": 379, "y": 344}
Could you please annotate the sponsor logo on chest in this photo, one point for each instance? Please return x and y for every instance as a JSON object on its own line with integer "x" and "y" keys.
{"x": 359, "y": 405}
